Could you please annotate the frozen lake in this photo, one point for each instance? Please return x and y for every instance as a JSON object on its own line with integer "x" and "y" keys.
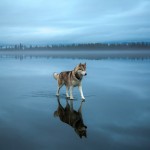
{"x": 116, "y": 110}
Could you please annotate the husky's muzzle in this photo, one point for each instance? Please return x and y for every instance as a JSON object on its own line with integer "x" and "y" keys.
{"x": 84, "y": 73}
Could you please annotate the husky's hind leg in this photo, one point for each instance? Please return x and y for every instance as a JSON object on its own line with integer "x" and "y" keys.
{"x": 60, "y": 84}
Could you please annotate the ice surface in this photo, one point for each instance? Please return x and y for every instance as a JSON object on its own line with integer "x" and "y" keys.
{"x": 116, "y": 110}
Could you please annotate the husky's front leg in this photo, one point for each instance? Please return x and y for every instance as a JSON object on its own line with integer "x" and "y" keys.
{"x": 81, "y": 92}
{"x": 71, "y": 89}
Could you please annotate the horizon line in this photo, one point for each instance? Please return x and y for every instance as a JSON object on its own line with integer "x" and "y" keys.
{"x": 125, "y": 42}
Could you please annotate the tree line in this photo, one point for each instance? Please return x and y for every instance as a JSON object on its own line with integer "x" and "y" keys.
{"x": 82, "y": 46}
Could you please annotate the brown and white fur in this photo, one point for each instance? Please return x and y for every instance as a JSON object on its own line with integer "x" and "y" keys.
{"x": 71, "y": 79}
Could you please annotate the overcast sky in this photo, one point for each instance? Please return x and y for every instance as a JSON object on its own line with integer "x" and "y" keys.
{"x": 74, "y": 21}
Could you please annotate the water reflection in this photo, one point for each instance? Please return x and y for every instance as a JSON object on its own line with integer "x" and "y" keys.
{"x": 71, "y": 116}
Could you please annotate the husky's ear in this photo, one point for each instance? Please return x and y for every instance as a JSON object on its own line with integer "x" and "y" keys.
{"x": 80, "y": 64}
{"x": 84, "y": 65}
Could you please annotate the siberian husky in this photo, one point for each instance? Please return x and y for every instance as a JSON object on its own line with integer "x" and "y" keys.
{"x": 71, "y": 79}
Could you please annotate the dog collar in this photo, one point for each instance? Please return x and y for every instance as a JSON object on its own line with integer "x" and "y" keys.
{"x": 77, "y": 76}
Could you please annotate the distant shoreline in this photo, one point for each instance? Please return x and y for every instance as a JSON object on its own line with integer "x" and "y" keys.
{"x": 82, "y": 54}
{"x": 80, "y": 46}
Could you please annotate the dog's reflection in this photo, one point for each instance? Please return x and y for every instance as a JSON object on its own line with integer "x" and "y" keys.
{"x": 72, "y": 117}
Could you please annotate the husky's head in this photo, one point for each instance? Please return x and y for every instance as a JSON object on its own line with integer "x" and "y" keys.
{"x": 81, "y": 69}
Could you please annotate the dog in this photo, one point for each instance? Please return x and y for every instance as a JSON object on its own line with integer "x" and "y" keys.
{"x": 71, "y": 117}
{"x": 71, "y": 79}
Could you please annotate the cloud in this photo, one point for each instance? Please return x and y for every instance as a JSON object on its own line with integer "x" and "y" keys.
{"x": 74, "y": 21}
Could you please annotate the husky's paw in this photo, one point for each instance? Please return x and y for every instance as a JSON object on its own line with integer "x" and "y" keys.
{"x": 57, "y": 94}
{"x": 83, "y": 98}
{"x": 71, "y": 98}
{"x": 68, "y": 97}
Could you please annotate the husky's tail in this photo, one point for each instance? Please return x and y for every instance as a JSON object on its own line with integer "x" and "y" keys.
{"x": 56, "y": 75}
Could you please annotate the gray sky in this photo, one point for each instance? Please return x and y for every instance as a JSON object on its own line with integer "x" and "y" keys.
{"x": 74, "y": 21}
